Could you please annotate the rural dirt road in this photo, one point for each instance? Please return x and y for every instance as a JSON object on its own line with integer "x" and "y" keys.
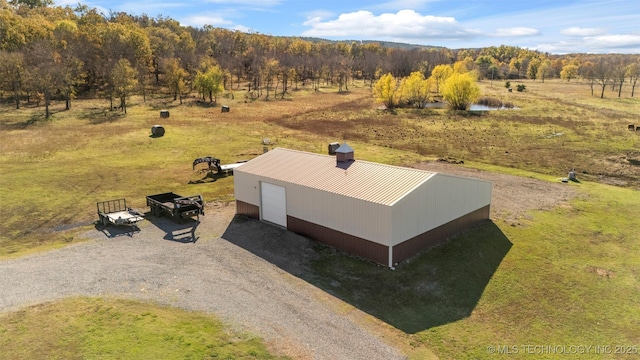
{"x": 217, "y": 274}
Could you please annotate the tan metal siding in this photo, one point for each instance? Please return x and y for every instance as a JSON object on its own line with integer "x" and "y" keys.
{"x": 348, "y": 215}
{"x": 438, "y": 235}
{"x": 247, "y": 188}
{"x": 438, "y": 201}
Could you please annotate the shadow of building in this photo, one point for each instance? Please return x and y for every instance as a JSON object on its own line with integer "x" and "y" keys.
{"x": 436, "y": 287}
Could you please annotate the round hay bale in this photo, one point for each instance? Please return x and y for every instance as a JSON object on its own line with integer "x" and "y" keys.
{"x": 157, "y": 130}
{"x": 164, "y": 114}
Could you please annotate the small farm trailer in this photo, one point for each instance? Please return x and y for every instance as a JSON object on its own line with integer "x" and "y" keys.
{"x": 176, "y": 206}
{"x": 116, "y": 212}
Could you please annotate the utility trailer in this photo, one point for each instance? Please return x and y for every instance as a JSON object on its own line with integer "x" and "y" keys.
{"x": 175, "y": 206}
{"x": 116, "y": 212}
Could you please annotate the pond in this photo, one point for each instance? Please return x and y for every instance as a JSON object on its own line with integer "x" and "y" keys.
{"x": 473, "y": 107}
{"x": 478, "y": 107}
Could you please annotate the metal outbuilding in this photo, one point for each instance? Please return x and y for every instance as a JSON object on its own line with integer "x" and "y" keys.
{"x": 380, "y": 212}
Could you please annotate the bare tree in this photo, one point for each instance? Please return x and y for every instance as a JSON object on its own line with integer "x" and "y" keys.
{"x": 633, "y": 71}
{"x": 602, "y": 74}
{"x": 45, "y": 71}
{"x": 372, "y": 56}
{"x": 619, "y": 73}
{"x": 587, "y": 71}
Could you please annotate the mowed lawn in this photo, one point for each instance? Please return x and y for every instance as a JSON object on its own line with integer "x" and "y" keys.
{"x": 566, "y": 276}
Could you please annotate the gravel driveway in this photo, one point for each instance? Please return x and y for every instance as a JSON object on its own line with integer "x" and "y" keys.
{"x": 163, "y": 264}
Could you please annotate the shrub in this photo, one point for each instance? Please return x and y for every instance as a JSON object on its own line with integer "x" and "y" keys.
{"x": 460, "y": 90}
{"x": 521, "y": 87}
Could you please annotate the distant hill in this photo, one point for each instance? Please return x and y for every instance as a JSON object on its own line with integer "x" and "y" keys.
{"x": 388, "y": 44}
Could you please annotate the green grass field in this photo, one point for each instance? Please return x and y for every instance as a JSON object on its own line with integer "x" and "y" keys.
{"x": 567, "y": 276}
{"x": 87, "y": 328}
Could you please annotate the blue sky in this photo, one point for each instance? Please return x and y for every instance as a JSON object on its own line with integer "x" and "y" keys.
{"x": 557, "y": 27}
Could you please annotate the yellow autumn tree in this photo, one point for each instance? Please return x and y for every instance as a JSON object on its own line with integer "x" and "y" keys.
{"x": 464, "y": 65}
{"x": 439, "y": 74}
{"x": 210, "y": 82}
{"x": 460, "y": 91}
{"x": 176, "y": 78}
{"x": 415, "y": 89}
{"x": 385, "y": 90}
{"x": 569, "y": 71}
{"x": 123, "y": 77}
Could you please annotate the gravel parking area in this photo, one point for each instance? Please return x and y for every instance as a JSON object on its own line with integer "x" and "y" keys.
{"x": 162, "y": 263}
{"x": 206, "y": 267}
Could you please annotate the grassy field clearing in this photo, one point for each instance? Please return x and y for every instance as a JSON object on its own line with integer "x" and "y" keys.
{"x": 566, "y": 276}
{"x": 85, "y": 328}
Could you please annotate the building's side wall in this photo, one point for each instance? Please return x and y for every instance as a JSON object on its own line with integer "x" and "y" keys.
{"x": 438, "y": 235}
{"x": 439, "y": 201}
{"x": 346, "y": 215}
{"x": 352, "y": 244}
{"x": 246, "y": 188}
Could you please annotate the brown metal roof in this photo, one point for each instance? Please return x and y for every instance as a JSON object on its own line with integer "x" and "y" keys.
{"x": 378, "y": 183}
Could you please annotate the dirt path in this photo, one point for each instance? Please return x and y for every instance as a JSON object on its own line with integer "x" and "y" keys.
{"x": 206, "y": 268}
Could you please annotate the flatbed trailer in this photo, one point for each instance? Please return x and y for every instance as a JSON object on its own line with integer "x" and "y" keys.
{"x": 228, "y": 168}
{"x": 116, "y": 212}
{"x": 214, "y": 164}
{"x": 176, "y": 206}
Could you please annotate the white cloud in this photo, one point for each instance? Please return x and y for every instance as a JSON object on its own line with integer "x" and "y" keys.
{"x": 63, "y": 3}
{"x": 624, "y": 44}
{"x": 149, "y": 7}
{"x": 403, "y": 25}
{"x": 243, "y": 28}
{"x": 201, "y": 20}
{"x": 576, "y": 31}
{"x": 614, "y": 41}
{"x": 516, "y": 31}
{"x": 317, "y": 16}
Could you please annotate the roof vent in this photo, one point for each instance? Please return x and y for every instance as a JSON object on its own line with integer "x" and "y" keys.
{"x": 344, "y": 153}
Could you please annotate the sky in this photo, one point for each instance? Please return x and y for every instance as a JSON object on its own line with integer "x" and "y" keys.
{"x": 553, "y": 26}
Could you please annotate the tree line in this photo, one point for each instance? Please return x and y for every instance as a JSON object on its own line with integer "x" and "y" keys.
{"x": 51, "y": 52}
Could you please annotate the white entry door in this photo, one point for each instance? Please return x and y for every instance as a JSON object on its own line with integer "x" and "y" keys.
{"x": 274, "y": 204}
